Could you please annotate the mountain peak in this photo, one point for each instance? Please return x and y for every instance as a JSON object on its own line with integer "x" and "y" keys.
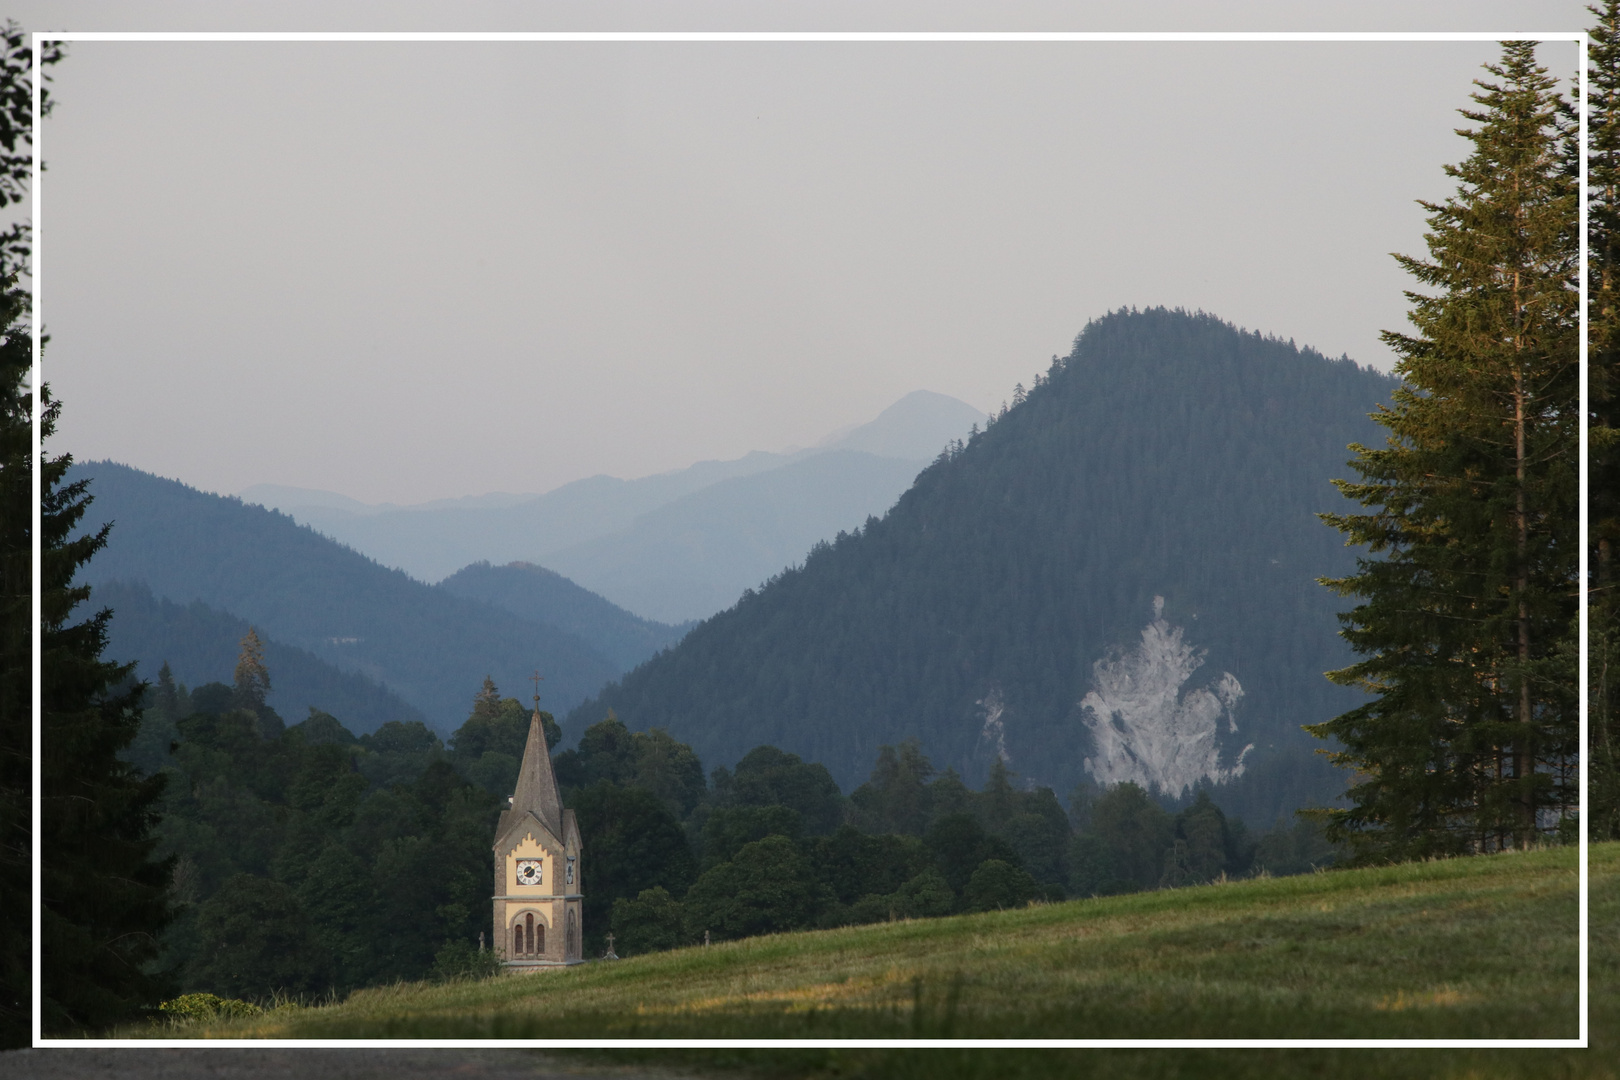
{"x": 915, "y": 428}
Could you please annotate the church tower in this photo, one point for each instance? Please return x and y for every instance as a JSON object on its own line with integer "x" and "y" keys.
{"x": 537, "y": 899}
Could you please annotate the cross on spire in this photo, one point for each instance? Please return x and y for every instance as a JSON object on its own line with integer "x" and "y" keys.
{"x": 537, "y": 679}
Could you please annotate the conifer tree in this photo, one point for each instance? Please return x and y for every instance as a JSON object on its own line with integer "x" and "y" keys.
{"x": 104, "y": 896}
{"x": 487, "y": 702}
{"x": 1603, "y": 366}
{"x": 251, "y": 677}
{"x": 16, "y": 549}
{"x": 1469, "y": 740}
{"x": 16, "y": 683}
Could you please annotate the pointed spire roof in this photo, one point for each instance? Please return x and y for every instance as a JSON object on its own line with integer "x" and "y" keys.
{"x": 536, "y": 786}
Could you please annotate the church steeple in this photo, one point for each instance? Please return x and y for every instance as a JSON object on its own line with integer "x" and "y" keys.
{"x": 536, "y": 785}
{"x": 539, "y": 909}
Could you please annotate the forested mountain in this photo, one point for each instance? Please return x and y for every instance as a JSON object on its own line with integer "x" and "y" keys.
{"x": 694, "y": 556}
{"x": 545, "y": 596}
{"x": 589, "y": 517}
{"x": 1153, "y": 495}
{"x": 199, "y": 643}
{"x": 430, "y": 647}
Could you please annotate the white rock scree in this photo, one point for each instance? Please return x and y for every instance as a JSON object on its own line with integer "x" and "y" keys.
{"x": 1145, "y": 729}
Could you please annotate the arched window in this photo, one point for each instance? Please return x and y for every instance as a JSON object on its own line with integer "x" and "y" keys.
{"x": 573, "y": 934}
{"x": 517, "y": 939}
{"x": 540, "y": 938}
{"x": 528, "y": 926}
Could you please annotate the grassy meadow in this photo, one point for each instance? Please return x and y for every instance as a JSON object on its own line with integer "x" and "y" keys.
{"x": 1466, "y": 948}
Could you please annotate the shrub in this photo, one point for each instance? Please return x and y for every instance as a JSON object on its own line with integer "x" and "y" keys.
{"x": 926, "y": 896}
{"x": 652, "y": 922}
{"x": 459, "y": 960}
{"x": 190, "y": 1007}
{"x": 996, "y": 885}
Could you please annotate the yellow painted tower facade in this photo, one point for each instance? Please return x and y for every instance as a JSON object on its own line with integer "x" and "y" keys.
{"x": 538, "y": 903}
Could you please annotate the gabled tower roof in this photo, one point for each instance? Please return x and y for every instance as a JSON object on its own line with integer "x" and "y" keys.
{"x": 536, "y": 786}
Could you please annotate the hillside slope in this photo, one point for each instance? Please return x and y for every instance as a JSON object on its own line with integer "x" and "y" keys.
{"x": 1169, "y": 456}
{"x": 431, "y": 648}
{"x": 1389, "y": 952}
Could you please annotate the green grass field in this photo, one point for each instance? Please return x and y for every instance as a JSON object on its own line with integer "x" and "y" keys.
{"x": 1465, "y": 948}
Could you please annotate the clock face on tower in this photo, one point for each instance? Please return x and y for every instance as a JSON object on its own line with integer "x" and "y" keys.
{"x": 528, "y": 871}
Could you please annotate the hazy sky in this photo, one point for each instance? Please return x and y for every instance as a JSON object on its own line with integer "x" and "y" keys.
{"x": 412, "y": 271}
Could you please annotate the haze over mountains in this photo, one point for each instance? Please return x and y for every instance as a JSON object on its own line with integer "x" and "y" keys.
{"x": 672, "y": 547}
{"x": 1114, "y": 580}
{"x": 695, "y": 555}
{"x": 188, "y": 571}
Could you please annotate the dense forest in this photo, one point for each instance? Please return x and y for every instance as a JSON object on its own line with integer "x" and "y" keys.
{"x": 1169, "y": 455}
{"x": 306, "y": 591}
{"x": 308, "y": 859}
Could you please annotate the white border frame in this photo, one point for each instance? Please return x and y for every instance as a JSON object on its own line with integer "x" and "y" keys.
{"x": 1580, "y": 38}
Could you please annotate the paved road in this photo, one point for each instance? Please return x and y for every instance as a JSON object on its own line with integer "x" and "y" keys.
{"x": 102, "y": 1063}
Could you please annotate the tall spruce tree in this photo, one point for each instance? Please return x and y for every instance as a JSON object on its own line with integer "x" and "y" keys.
{"x": 1603, "y": 366}
{"x": 16, "y": 551}
{"x": 251, "y": 677}
{"x": 1469, "y": 739}
{"x": 16, "y": 683}
{"x": 103, "y": 895}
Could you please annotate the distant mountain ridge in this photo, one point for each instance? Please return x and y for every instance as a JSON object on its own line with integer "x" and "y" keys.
{"x": 430, "y": 543}
{"x": 915, "y": 428}
{"x": 280, "y": 497}
{"x": 1170, "y": 463}
{"x": 695, "y": 555}
{"x": 573, "y": 528}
